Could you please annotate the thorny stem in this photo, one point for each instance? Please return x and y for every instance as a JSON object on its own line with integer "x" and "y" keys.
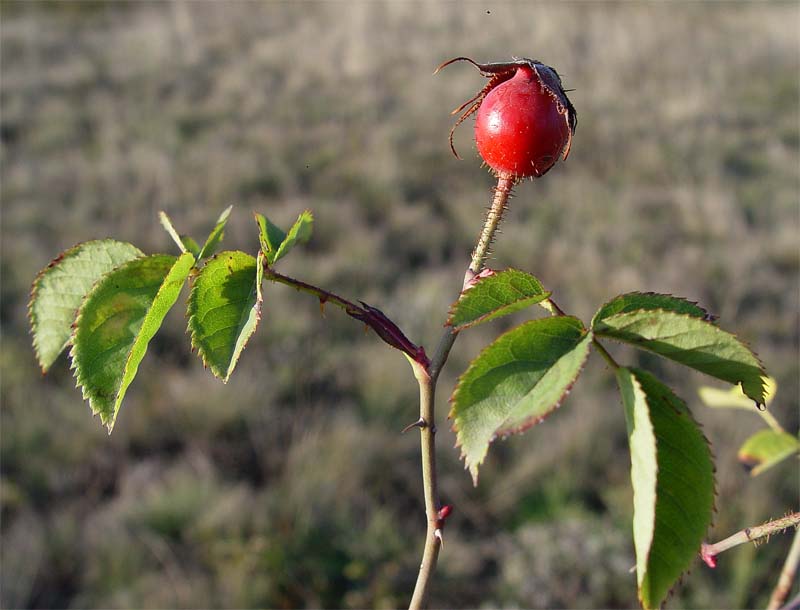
{"x": 323, "y": 295}
{"x": 427, "y": 390}
{"x": 785, "y": 580}
{"x": 373, "y": 317}
{"x": 709, "y": 552}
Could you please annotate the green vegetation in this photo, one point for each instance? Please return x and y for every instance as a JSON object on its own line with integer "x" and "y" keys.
{"x": 300, "y": 490}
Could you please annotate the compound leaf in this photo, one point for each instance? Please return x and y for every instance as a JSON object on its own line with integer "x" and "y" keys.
{"x": 494, "y": 296}
{"x": 673, "y": 483}
{"x": 60, "y": 288}
{"x": 224, "y": 310}
{"x": 515, "y": 382}
{"x": 766, "y": 448}
{"x": 690, "y": 340}
{"x": 216, "y": 235}
{"x": 115, "y": 323}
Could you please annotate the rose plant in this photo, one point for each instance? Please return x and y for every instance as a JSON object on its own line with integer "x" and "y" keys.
{"x": 106, "y": 299}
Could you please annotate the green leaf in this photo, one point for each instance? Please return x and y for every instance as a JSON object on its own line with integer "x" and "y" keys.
{"x": 216, "y": 235}
{"x": 115, "y": 323}
{"x": 190, "y": 245}
{"x": 275, "y": 243}
{"x": 300, "y": 232}
{"x": 766, "y": 448}
{"x": 269, "y": 236}
{"x": 184, "y": 242}
{"x": 224, "y": 310}
{"x": 648, "y": 301}
{"x": 166, "y": 222}
{"x": 61, "y": 286}
{"x": 515, "y": 382}
{"x": 692, "y": 342}
{"x": 673, "y": 483}
{"x": 734, "y": 398}
{"x": 494, "y": 296}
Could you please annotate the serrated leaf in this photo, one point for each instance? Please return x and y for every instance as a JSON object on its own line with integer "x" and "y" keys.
{"x": 734, "y": 398}
{"x": 690, "y": 341}
{"x": 673, "y": 483}
{"x": 766, "y": 448}
{"x": 494, "y": 296}
{"x": 61, "y": 286}
{"x": 515, "y": 382}
{"x": 275, "y": 243}
{"x": 115, "y": 323}
{"x": 270, "y": 236}
{"x": 216, "y": 235}
{"x": 648, "y": 301}
{"x": 224, "y": 310}
{"x": 184, "y": 242}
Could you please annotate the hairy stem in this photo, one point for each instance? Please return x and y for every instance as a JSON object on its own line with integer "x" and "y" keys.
{"x": 785, "y": 580}
{"x": 493, "y": 218}
{"x": 708, "y": 552}
{"x": 427, "y": 379}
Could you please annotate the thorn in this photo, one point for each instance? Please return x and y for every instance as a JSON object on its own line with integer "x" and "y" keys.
{"x": 437, "y": 533}
{"x": 420, "y": 423}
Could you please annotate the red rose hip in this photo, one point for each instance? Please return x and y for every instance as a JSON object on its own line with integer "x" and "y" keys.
{"x": 525, "y": 121}
{"x": 519, "y": 129}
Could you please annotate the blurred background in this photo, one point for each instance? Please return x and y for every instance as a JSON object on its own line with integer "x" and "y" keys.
{"x": 292, "y": 486}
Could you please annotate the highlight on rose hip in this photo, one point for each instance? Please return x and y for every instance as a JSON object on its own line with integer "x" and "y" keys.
{"x": 104, "y": 300}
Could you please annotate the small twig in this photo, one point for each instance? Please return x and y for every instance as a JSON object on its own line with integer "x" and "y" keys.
{"x": 323, "y": 295}
{"x": 709, "y": 552}
{"x": 373, "y": 317}
{"x": 786, "y": 579}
